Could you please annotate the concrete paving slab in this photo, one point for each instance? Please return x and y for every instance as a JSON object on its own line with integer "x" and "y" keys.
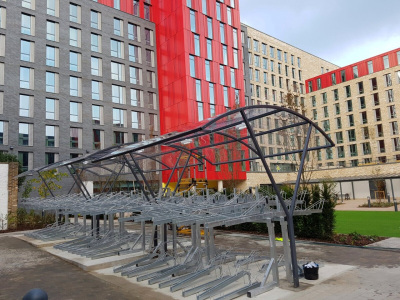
{"x": 89, "y": 264}
{"x": 393, "y": 243}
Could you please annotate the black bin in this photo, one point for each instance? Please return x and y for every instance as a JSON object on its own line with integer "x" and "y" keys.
{"x": 311, "y": 273}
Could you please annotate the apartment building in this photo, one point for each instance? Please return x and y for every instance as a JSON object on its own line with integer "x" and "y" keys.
{"x": 75, "y": 77}
{"x": 272, "y": 70}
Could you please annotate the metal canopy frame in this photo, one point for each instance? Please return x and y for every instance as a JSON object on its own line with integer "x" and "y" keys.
{"x": 236, "y": 126}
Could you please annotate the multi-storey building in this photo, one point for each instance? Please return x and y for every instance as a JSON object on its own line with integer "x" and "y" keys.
{"x": 75, "y": 77}
{"x": 274, "y": 69}
{"x": 199, "y": 67}
{"x": 357, "y": 106}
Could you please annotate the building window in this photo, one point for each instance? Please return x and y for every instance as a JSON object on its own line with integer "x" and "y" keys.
{"x": 151, "y": 79}
{"x": 208, "y": 70}
{"x": 52, "y": 31}
{"x": 333, "y": 77}
{"x": 118, "y": 27}
{"x": 200, "y": 111}
{"x": 226, "y": 97}
{"x": 388, "y": 79}
{"x": 51, "y": 82}
{"x": 225, "y": 54}
{"x": 136, "y": 120}
{"x": 118, "y": 94}
{"x": 75, "y": 137}
{"x": 74, "y": 13}
{"x": 75, "y": 86}
{"x": 147, "y": 12}
{"x": 98, "y": 137}
{"x": 117, "y": 48}
{"x": 135, "y": 75}
{"x": 52, "y": 56}
{"x": 51, "y": 109}
{"x": 209, "y": 28}
{"x": 389, "y": 96}
{"x": 136, "y": 7}
{"x": 133, "y": 32}
{"x": 352, "y": 135}
{"x": 27, "y": 24}
{"x": 119, "y": 137}
{"x": 192, "y": 20}
{"x": 134, "y": 53}
{"x": 25, "y": 106}
{"x": 97, "y": 112}
{"x": 117, "y": 4}
{"x": 229, "y": 16}
{"x": 74, "y": 37}
{"x": 95, "y": 42}
{"x": 362, "y": 102}
{"x": 233, "y": 78}
{"x": 117, "y": 71}
{"x": 96, "y": 66}
{"x": 196, "y": 44}
{"x": 51, "y": 136}
{"x": 355, "y": 72}
{"x": 218, "y": 9}
{"x": 119, "y": 117}
{"x": 96, "y": 90}
{"x": 52, "y": 7}
{"x": 95, "y": 19}
{"x": 192, "y": 66}
{"x": 204, "y": 6}
{"x": 3, "y": 133}
{"x": 135, "y": 97}
{"x": 148, "y": 36}
{"x": 25, "y": 132}
{"x": 386, "y": 62}
{"x": 75, "y": 114}
{"x": 209, "y": 49}
{"x": 370, "y": 67}
{"x": 74, "y": 61}
{"x": 27, "y": 51}
{"x": 25, "y": 160}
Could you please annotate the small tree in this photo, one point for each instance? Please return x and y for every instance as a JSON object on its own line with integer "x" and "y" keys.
{"x": 52, "y": 177}
{"x": 294, "y": 138}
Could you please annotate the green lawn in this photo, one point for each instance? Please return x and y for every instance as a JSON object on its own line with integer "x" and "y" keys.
{"x": 380, "y": 223}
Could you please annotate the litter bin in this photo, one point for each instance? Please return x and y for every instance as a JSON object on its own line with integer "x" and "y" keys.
{"x": 311, "y": 271}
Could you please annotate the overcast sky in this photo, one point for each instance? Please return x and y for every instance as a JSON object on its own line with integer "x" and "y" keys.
{"x": 340, "y": 31}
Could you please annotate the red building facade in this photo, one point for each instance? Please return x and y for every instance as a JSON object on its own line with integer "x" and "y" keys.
{"x": 199, "y": 59}
{"x": 356, "y": 70}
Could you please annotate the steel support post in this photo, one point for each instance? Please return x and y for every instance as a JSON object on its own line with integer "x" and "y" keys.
{"x": 137, "y": 178}
{"x": 272, "y": 245}
{"x": 76, "y": 181}
{"x": 286, "y": 250}
{"x": 45, "y": 183}
{"x": 143, "y": 225}
{"x": 114, "y": 181}
{"x": 144, "y": 177}
{"x": 277, "y": 192}
{"x": 182, "y": 173}
{"x": 81, "y": 182}
{"x": 172, "y": 173}
{"x": 174, "y": 239}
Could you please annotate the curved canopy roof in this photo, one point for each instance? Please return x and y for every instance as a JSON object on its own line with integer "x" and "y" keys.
{"x": 219, "y": 140}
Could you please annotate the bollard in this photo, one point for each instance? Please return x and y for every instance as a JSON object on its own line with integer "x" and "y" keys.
{"x": 36, "y": 294}
{"x": 388, "y": 198}
{"x": 395, "y": 205}
{"x": 369, "y": 201}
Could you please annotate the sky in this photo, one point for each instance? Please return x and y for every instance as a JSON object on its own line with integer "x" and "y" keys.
{"x": 340, "y": 31}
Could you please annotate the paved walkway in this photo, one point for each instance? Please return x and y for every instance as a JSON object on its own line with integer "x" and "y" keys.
{"x": 354, "y": 205}
{"x": 24, "y": 267}
{"x": 361, "y": 273}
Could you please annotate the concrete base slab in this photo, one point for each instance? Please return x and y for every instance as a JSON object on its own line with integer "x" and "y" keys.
{"x": 89, "y": 264}
{"x": 393, "y": 243}
{"x": 40, "y": 243}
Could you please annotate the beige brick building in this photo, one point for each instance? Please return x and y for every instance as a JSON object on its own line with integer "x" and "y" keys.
{"x": 356, "y": 105}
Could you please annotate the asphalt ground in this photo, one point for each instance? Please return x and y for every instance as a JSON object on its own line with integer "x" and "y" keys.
{"x": 374, "y": 274}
